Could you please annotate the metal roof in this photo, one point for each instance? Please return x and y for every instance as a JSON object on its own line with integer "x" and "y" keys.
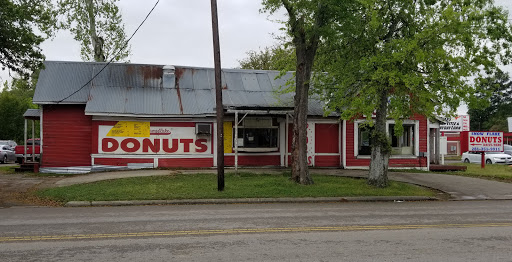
{"x": 150, "y": 91}
{"x": 32, "y": 114}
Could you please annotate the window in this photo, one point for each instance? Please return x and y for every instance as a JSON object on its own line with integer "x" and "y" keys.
{"x": 258, "y": 135}
{"x": 364, "y": 143}
{"x": 404, "y": 144}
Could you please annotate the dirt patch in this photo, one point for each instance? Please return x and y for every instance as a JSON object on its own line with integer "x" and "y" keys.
{"x": 18, "y": 190}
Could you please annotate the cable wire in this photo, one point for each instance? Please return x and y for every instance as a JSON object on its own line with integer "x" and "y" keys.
{"x": 112, "y": 59}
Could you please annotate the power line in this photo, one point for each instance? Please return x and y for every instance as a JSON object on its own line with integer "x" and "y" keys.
{"x": 112, "y": 59}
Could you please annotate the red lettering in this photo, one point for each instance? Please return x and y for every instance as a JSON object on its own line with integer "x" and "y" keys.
{"x": 174, "y": 147}
{"x": 479, "y": 139}
{"x": 472, "y": 139}
{"x": 109, "y": 144}
{"x": 201, "y": 145}
{"x": 499, "y": 140}
{"x": 186, "y": 144}
{"x": 146, "y": 145}
{"x": 484, "y": 139}
{"x": 133, "y": 141}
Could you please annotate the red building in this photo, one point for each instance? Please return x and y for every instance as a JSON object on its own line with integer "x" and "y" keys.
{"x": 139, "y": 116}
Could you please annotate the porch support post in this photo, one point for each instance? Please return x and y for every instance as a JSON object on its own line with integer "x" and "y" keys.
{"x": 33, "y": 141}
{"x": 25, "y": 143}
{"x": 236, "y": 142}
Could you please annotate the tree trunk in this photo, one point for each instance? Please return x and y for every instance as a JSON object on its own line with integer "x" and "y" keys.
{"x": 97, "y": 42}
{"x": 381, "y": 147}
{"x": 300, "y": 170}
{"x": 305, "y": 56}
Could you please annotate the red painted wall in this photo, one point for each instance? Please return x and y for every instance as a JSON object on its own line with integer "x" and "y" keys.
{"x": 185, "y": 162}
{"x": 67, "y": 134}
{"x": 327, "y": 138}
{"x": 255, "y": 160}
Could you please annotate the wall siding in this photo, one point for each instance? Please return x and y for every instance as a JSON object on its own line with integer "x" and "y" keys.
{"x": 67, "y": 134}
{"x": 266, "y": 160}
{"x": 185, "y": 162}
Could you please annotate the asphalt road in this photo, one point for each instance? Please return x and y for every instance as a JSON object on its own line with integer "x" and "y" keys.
{"x": 400, "y": 231}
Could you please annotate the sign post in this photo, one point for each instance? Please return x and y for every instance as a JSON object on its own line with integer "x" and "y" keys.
{"x": 483, "y": 141}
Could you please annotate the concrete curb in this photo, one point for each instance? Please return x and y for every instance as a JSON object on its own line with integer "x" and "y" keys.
{"x": 248, "y": 201}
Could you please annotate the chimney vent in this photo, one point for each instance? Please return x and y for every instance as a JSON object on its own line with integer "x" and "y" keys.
{"x": 169, "y": 79}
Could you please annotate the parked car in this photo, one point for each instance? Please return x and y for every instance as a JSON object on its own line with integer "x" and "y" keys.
{"x": 490, "y": 158}
{"x": 20, "y": 150}
{"x": 508, "y": 149}
{"x": 10, "y": 143}
{"x": 6, "y": 154}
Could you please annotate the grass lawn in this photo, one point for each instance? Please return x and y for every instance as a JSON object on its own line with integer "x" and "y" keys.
{"x": 493, "y": 172}
{"x": 7, "y": 169}
{"x": 245, "y": 185}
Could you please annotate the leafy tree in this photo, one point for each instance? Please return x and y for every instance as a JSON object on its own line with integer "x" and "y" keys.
{"x": 98, "y": 26}
{"x": 494, "y": 105}
{"x": 24, "y": 25}
{"x": 402, "y": 58}
{"x": 14, "y": 101}
{"x": 306, "y": 20}
{"x": 270, "y": 58}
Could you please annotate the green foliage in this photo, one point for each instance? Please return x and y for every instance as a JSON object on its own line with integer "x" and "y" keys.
{"x": 24, "y": 25}
{"x": 108, "y": 25}
{"x": 491, "y": 110}
{"x": 421, "y": 54}
{"x": 271, "y": 58}
{"x": 14, "y": 101}
{"x": 245, "y": 185}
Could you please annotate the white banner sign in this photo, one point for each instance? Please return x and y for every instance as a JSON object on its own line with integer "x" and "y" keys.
{"x": 456, "y": 124}
{"x": 159, "y": 140}
{"x": 485, "y": 141}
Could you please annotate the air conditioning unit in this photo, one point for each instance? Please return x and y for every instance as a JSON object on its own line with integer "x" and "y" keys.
{"x": 203, "y": 129}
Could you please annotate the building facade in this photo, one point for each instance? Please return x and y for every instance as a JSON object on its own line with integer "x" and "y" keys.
{"x": 148, "y": 116}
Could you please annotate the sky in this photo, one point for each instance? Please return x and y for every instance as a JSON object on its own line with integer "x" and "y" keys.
{"x": 180, "y": 33}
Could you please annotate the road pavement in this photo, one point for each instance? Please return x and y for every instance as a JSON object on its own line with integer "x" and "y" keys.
{"x": 406, "y": 231}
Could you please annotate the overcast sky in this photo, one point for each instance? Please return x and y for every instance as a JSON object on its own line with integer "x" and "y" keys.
{"x": 180, "y": 33}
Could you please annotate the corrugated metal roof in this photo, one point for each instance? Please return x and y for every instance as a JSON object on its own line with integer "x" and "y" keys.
{"x": 134, "y": 89}
{"x": 32, "y": 114}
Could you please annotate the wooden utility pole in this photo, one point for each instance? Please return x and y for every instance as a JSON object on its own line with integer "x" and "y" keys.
{"x": 218, "y": 98}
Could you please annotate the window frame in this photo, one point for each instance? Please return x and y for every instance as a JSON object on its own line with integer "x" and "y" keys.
{"x": 416, "y": 151}
{"x": 274, "y": 126}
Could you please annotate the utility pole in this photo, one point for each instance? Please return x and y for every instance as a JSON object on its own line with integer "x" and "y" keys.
{"x": 218, "y": 98}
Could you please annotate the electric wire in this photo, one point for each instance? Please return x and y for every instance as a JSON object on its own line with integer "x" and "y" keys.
{"x": 112, "y": 59}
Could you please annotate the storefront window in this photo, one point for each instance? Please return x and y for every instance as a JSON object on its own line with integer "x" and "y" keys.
{"x": 404, "y": 144}
{"x": 258, "y": 134}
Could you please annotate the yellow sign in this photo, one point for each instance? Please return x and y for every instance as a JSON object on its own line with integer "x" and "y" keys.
{"x": 130, "y": 129}
{"x": 228, "y": 137}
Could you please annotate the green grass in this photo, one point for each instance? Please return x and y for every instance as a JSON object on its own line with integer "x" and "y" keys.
{"x": 7, "y": 169}
{"x": 493, "y": 172}
{"x": 204, "y": 186}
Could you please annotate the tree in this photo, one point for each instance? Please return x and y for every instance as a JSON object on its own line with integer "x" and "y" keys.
{"x": 24, "y": 25}
{"x": 277, "y": 57}
{"x": 494, "y": 105}
{"x": 306, "y": 21}
{"x": 14, "y": 101}
{"x": 98, "y": 26}
{"x": 402, "y": 58}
